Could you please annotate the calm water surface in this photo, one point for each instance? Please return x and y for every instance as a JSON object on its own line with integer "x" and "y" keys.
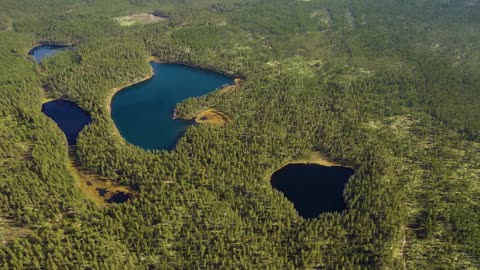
{"x": 41, "y": 52}
{"x": 69, "y": 117}
{"x": 143, "y": 112}
{"x": 313, "y": 189}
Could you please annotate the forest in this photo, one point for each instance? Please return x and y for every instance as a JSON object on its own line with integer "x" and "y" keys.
{"x": 389, "y": 87}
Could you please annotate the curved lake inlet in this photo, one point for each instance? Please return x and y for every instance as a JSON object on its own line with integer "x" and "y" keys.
{"x": 69, "y": 117}
{"x": 143, "y": 112}
{"x": 313, "y": 189}
{"x": 41, "y": 52}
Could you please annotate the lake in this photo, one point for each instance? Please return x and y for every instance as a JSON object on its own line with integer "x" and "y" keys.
{"x": 69, "y": 117}
{"x": 41, "y": 52}
{"x": 143, "y": 112}
{"x": 312, "y": 188}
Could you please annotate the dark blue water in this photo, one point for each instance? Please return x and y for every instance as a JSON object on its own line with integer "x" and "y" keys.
{"x": 143, "y": 112}
{"x": 69, "y": 117}
{"x": 119, "y": 197}
{"x": 43, "y": 51}
{"x": 313, "y": 189}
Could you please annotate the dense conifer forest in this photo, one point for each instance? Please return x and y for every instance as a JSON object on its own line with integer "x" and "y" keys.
{"x": 391, "y": 88}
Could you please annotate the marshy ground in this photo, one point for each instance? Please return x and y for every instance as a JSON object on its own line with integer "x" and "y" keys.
{"x": 212, "y": 117}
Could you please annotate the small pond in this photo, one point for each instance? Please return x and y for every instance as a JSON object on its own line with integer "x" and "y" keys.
{"x": 119, "y": 197}
{"x": 41, "y": 52}
{"x": 69, "y": 117}
{"x": 114, "y": 196}
{"x": 143, "y": 112}
{"x": 312, "y": 188}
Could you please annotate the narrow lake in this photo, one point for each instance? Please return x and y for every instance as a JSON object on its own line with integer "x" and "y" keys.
{"x": 41, "y": 52}
{"x": 143, "y": 112}
{"x": 312, "y": 188}
{"x": 69, "y": 117}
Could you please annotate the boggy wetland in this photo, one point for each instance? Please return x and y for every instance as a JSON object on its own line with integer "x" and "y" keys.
{"x": 71, "y": 119}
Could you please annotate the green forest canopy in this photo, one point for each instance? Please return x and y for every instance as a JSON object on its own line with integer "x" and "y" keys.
{"x": 390, "y": 87}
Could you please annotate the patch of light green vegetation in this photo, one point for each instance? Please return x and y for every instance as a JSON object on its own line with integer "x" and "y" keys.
{"x": 240, "y": 48}
{"x": 298, "y": 66}
{"x": 139, "y": 18}
{"x": 454, "y": 178}
{"x": 125, "y": 21}
{"x": 352, "y": 74}
{"x": 399, "y": 125}
{"x": 350, "y": 19}
{"x": 6, "y": 23}
{"x": 322, "y": 17}
{"x": 301, "y": 67}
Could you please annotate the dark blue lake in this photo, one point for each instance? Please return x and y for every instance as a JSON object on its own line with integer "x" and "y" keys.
{"x": 143, "y": 112}
{"x": 312, "y": 188}
{"x": 41, "y": 52}
{"x": 69, "y": 117}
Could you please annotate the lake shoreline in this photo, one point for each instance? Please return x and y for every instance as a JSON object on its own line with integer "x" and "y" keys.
{"x": 111, "y": 95}
{"x": 238, "y": 82}
{"x": 313, "y": 189}
{"x": 59, "y": 44}
{"x": 70, "y": 118}
{"x": 232, "y": 75}
{"x": 238, "y": 79}
{"x": 315, "y": 158}
{"x": 212, "y": 117}
{"x": 108, "y": 106}
{"x": 116, "y": 90}
{"x": 200, "y": 84}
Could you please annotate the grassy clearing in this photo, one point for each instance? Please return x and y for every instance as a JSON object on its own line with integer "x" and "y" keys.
{"x": 212, "y": 117}
{"x": 316, "y": 158}
{"x": 139, "y": 18}
{"x": 90, "y": 184}
{"x": 450, "y": 186}
{"x": 154, "y": 59}
{"x": 230, "y": 88}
